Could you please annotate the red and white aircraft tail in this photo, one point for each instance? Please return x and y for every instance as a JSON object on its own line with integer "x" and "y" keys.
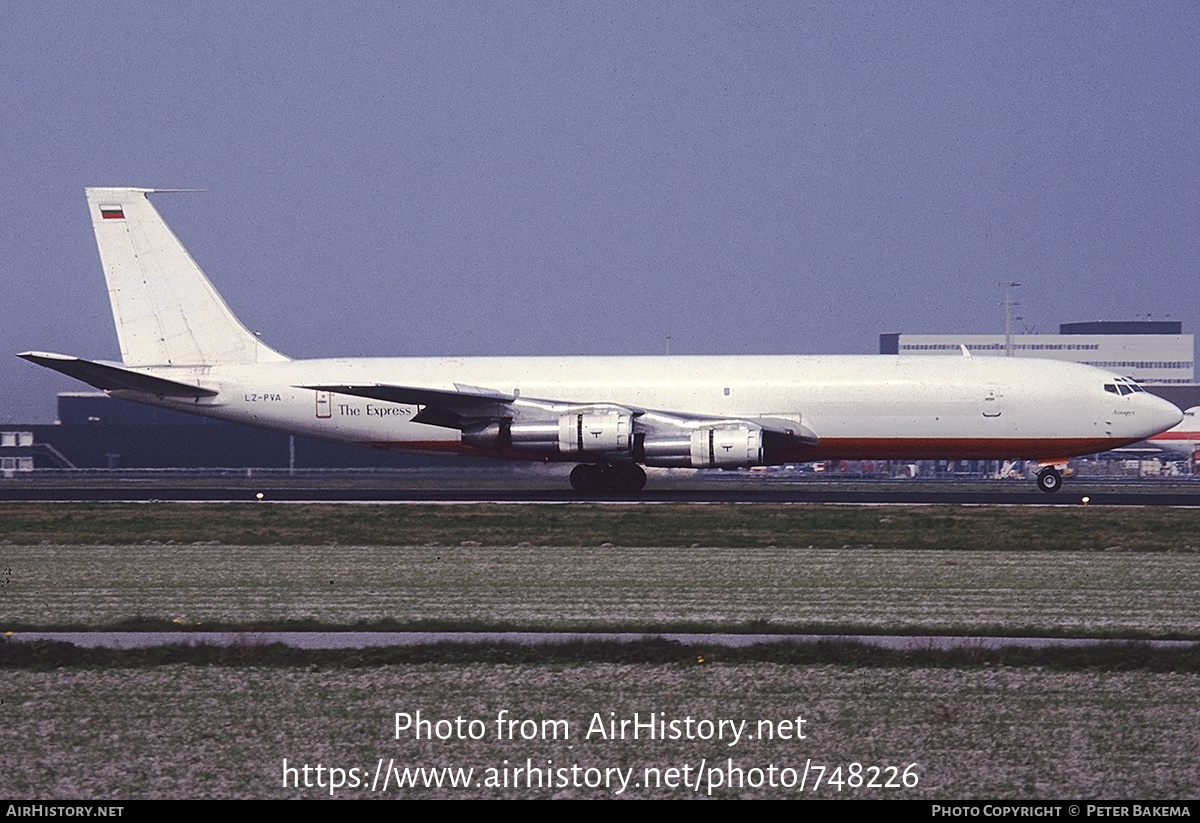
{"x": 1179, "y": 443}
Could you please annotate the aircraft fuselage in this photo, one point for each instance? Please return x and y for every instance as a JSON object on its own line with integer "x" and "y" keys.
{"x": 871, "y": 406}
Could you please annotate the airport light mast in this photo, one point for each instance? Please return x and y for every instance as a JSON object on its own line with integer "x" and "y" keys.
{"x": 1008, "y": 318}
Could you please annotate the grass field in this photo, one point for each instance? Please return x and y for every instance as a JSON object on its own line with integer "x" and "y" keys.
{"x": 198, "y": 731}
{"x": 976, "y": 570}
{"x": 1101, "y": 594}
{"x": 976, "y": 727}
{"x": 966, "y": 528}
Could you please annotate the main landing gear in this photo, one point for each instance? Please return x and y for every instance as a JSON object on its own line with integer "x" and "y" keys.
{"x": 1049, "y": 480}
{"x": 608, "y": 477}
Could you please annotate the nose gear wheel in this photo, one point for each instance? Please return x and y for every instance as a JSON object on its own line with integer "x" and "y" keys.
{"x": 1049, "y": 480}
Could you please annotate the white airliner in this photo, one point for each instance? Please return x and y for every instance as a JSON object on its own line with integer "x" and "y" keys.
{"x": 1179, "y": 443}
{"x": 182, "y": 348}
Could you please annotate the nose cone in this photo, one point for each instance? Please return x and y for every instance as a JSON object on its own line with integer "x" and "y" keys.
{"x": 1159, "y": 415}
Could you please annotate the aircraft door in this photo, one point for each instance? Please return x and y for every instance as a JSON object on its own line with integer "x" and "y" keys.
{"x": 993, "y": 407}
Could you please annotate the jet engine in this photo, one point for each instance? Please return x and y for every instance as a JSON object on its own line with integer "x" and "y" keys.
{"x": 705, "y": 447}
{"x": 614, "y": 434}
{"x": 582, "y": 431}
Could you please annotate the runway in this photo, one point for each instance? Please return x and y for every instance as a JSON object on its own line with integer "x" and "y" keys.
{"x": 362, "y": 640}
{"x": 943, "y": 494}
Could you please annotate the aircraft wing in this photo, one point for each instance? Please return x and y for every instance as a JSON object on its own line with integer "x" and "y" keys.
{"x": 463, "y": 397}
{"x": 788, "y": 428}
{"x": 112, "y": 377}
{"x": 493, "y": 419}
{"x": 462, "y": 408}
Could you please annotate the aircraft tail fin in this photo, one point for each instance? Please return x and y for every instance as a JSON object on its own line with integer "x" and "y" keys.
{"x": 166, "y": 311}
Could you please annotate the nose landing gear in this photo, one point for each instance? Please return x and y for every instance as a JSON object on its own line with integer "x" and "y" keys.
{"x": 608, "y": 477}
{"x": 1049, "y": 480}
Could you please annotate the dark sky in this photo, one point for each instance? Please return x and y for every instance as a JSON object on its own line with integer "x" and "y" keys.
{"x": 565, "y": 178}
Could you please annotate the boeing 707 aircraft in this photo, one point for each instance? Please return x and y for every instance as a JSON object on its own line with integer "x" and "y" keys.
{"x": 182, "y": 348}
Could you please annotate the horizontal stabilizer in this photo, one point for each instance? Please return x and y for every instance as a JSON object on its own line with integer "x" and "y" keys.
{"x": 114, "y": 378}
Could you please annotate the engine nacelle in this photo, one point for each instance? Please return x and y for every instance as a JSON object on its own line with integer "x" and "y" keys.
{"x": 705, "y": 448}
{"x": 583, "y": 430}
{"x": 594, "y": 430}
{"x": 727, "y": 448}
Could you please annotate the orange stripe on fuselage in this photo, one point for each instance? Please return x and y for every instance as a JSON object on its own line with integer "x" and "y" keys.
{"x": 956, "y": 448}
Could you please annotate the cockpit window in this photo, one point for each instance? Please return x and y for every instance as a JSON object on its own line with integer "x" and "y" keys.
{"x": 1123, "y": 386}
